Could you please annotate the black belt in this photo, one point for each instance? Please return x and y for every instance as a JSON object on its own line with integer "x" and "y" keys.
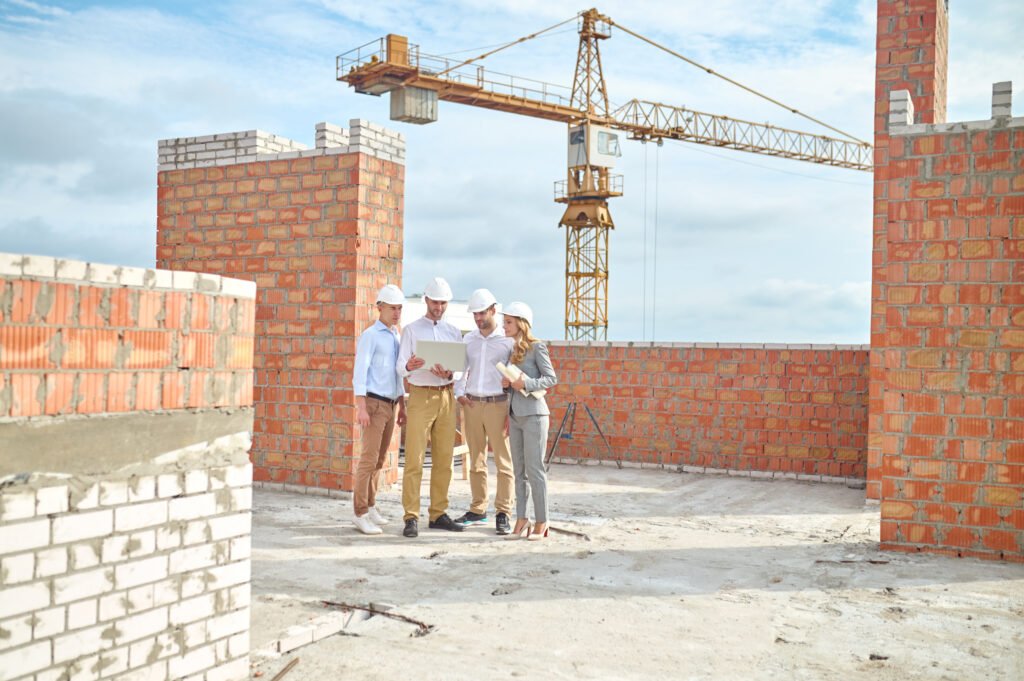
{"x": 382, "y": 398}
{"x": 492, "y": 398}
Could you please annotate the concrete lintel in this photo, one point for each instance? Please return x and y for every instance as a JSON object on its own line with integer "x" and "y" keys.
{"x": 106, "y": 443}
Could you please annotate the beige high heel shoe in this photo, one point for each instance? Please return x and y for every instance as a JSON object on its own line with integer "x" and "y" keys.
{"x": 537, "y": 536}
{"x": 523, "y": 533}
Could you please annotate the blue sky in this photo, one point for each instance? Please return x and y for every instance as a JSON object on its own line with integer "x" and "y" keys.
{"x": 744, "y": 248}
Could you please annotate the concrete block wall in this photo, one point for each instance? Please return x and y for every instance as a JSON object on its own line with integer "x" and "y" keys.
{"x": 911, "y": 54}
{"x": 953, "y": 448}
{"x": 229, "y": 148}
{"x": 319, "y": 231}
{"x": 796, "y": 410}
{"x": 125, "y": 486}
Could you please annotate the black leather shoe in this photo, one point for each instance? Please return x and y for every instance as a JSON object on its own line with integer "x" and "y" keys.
{"x": 443, "y": 522}
{"x": 501, "y": 524}
{"x": 470, "y": 518}
{"x": 411, "y": 528}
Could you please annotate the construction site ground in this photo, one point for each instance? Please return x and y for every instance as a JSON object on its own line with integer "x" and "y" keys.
{"x": 671, "y": 576}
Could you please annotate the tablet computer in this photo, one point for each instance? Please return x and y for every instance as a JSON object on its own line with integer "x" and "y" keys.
{"x": 448, "y": 354}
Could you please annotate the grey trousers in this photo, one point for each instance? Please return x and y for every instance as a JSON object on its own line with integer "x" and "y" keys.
{"x": 528, "y": 436}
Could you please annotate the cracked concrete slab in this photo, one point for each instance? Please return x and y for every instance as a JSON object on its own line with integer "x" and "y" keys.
{"x": 685, "y": 576}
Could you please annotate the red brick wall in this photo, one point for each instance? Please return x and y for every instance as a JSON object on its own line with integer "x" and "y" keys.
{"x": 319, "y": 235}
{"x": 792, "y": 409}
{"x": 90, "y": 339}
{"x": 953, "y": 448}
{"x": 911, "y": 55}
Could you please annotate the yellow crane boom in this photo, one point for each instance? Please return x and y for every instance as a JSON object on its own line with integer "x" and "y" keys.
{"x": 390, "y": 63}
{"x": 418, "y": 81}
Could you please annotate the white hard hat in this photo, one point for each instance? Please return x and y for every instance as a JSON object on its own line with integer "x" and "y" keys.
{"x": 391, "y": 294}
{"x": 438, "y": 289}
{"x": 480, "y": 300}
{"x": 521, "y": 310}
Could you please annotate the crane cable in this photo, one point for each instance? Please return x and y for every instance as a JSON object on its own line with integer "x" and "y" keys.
{"x": 736, "y": 83}
{"x": 654, "y": 275}
{"x": 487, "y": 47}
{"x": 505, "y": 46}
{"x": 643, "y": 315}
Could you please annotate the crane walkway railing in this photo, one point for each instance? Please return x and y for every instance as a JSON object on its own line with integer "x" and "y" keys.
{"x": 443, "y": 68}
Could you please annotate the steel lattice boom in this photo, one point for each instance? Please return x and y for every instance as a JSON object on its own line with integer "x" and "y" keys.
{"x": 650, "y": 120}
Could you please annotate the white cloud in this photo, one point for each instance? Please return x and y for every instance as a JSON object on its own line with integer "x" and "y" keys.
{"x": 46, "y": 10}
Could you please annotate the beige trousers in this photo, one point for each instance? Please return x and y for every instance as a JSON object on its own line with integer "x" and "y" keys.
{"x": 484, "y": 422}
{"x": 430, "y": 416}
{"x": 373, "y": 454}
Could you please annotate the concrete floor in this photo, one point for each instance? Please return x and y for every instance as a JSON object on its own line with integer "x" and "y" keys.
{"x": 683, "y": 577}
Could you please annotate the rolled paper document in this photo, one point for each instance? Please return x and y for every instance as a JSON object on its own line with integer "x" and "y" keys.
{"x": 512, "y": 373}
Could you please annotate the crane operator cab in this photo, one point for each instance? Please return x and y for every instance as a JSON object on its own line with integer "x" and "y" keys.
{"x": 593, "y": 145}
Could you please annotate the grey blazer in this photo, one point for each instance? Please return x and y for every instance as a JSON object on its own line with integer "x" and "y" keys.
{"x": 539, "y": 375}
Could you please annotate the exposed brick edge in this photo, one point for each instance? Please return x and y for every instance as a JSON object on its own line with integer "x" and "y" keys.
{"x": 721, "y": 346}
{"x": 301, "y": 489}
{"x": 954, "y": 553}
{"x": 44, "y": 268}
{"x": 854, "y": 482}
{"x": 961, "y": 126}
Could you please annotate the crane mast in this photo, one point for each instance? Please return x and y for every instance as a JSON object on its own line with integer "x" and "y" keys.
{"x": 588, "y": 187}
{"x": 417, "y": 81}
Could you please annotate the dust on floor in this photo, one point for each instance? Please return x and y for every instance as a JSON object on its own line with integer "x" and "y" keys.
{"x": 683, "y": 577}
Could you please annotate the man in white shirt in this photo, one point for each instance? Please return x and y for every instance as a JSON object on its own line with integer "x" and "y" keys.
{"x": 485, "y": 412}
{"x": 430, "y": 413}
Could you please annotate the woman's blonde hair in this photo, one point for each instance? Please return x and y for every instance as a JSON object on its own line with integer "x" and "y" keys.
{"x": 523, "y": 341}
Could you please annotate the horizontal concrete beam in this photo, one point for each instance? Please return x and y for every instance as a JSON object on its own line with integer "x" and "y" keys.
{"x": 104, "y": 444}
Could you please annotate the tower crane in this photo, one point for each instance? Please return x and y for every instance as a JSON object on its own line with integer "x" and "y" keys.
{"x": 416, "y": 81}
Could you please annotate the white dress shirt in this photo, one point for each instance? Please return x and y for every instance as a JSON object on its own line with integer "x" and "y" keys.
{"x": 424, "y": 329}
{"x": 481, "y": 378}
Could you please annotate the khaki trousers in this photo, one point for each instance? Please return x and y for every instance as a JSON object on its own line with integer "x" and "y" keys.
{"x": 484, "y": 422}
{"x": 430, "y": 415}
{"x": 373, "y": 454}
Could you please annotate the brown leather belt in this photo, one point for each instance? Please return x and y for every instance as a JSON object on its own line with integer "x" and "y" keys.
{"x": 491, "y": 398}
{"x": 433, "y": 387}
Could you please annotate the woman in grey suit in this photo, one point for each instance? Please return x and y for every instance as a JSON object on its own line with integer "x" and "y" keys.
{"x": 528, "y": 420}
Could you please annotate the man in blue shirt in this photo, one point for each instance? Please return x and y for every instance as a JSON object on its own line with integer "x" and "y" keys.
{"x": 379, "y": 394}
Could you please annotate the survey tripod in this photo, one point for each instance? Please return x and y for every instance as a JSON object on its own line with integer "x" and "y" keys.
{"x": 570, "y": 419}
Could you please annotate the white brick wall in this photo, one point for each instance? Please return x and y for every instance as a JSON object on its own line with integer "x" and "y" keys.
{"x": 257, "y": 145}
{"x": 24, "y": 660}
{"x": 56, "y": 499}
{"x": 901, "y": 115}
{"x": 134, "y": 577}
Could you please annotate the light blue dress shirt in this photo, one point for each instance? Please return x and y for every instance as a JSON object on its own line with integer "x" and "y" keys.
{"x": 374, "y": 370}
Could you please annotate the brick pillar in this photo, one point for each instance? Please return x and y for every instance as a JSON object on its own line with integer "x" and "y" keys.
{"x": 319, "y": 231}
{"x": 911, "y": 54}
{"x": 953, "y": 447}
